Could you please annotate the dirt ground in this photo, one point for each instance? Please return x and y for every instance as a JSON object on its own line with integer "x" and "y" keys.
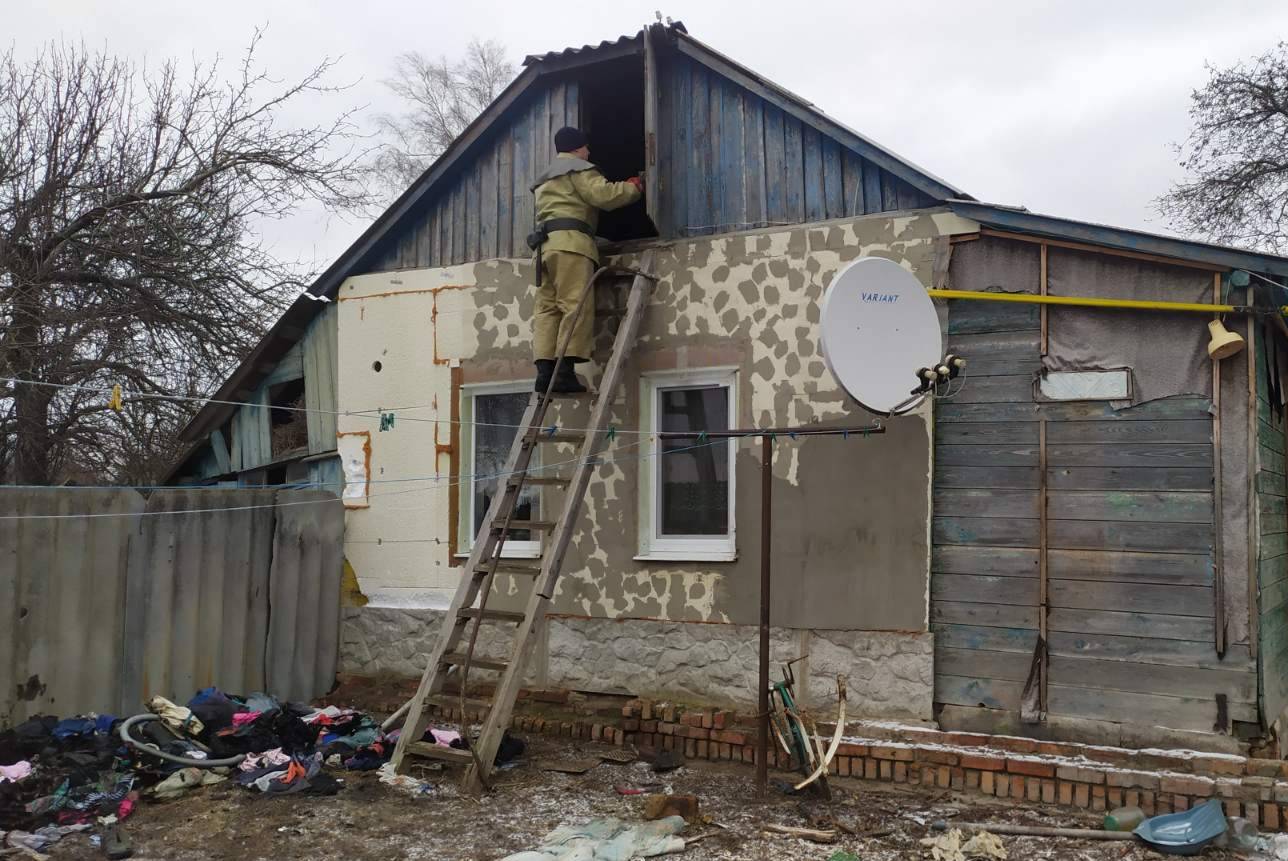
{"x": 369, "y": 820}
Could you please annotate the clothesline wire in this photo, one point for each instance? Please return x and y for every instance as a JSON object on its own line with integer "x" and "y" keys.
{"x": 372, "y": 413}
{"x": 600, "y": 460}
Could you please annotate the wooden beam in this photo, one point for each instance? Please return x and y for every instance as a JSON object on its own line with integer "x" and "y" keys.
{"x": 1042, "y": 284}
{"x": 1043, "y": 586}
{"x": 1103, "y": 249}
{"x": 1218, "y": 562}
{"x": 1254, "y": 516}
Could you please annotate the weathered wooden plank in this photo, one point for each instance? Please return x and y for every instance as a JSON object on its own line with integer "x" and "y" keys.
{"x": 953, "y": 502}
{"x": 1270, "y": 460}
{"x": 1114, "y": 432}
{"x": 460, "y": 222}
{"x": 871, "y": 187}
{"x": 678, "y": 94}
{"x": 1130, "y": 454}
{"x": 970, "y": 588}
{"x": 907, "y": 197}
{"x": 990, "y": 561}
{"x": 753, "y": 136}
{"x": 985, "y": 693}
{"x": 701, "y": 162}
{"x": 967, "y": 317}
{"x": 1270, "y": 436}
{"x": 521, "y": 199}
{"x": 794, "y": 158}
{"x": 1131, "y": 597}
{"x": 1180, "y": 409}
{"x": 995, "y": 532}
{"x": 432, "y": 231}
{"x": 1269, "y": 572}
{"x": 1274, "y": 594}
{"x": 1272, "y": 506}
{"x": 995, "y": 389}
{"x": 986, "y": 433}
{"x": 1174, "y": 569}
{"x": 487, "y": 204}
{"x": 505, "y": 196}
{"x": 1015, "y": 477}
{"x": 1139, "y": 708}
{"x": 983, "y": 664}
{"x": 852, "y": 181}
{"x": 1131, "y": 505}
{"x": 811, "y": 143}
{"x": 732, "y": 167}
{"x": 473, "y": 215}
{"x": 1089, "y": 622}
{"x": 1110, "y": 535}
{"x": 1001, "y": 362}
{"x": 833, "y": 179}
{"x": 982, "y": 638}
{"x": 1018, "y": 454}
{"x": 1129, "y": 478}
{"x": 1272, "y": 545}
{"x": 889, "y": 194}
{"x": 1271, "y": 484}
{"x": 989, "y": 615}
{"x": 1148, "y": 650}
{"x": 776, "y": 172}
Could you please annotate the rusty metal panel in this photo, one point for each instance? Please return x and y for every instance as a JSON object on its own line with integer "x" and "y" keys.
{"x": 304, "y": 594}
{"x": 63, "y": 582}
{"x": 196, "y": 613}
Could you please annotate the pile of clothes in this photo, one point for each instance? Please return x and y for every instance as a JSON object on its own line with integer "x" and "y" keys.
{"x": 64, "y": 774}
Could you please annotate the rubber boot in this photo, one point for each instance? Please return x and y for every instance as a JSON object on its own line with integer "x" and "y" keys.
{"x": 566, "y": 382}
{"x": 545, "y": 370}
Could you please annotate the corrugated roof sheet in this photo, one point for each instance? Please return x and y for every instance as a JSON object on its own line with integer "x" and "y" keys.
{"x": 584, "y": 49}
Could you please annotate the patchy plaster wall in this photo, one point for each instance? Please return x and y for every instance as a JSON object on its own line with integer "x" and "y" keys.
{"x": 851, "y": 548}
{"x": 890, "y": 675}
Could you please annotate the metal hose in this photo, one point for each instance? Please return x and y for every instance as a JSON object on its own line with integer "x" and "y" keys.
{"x": 153, "y": 750}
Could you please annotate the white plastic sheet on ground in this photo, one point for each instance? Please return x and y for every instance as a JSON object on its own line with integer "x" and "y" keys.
{"x": 608, "y": 840}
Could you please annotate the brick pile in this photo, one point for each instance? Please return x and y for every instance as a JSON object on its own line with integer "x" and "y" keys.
{"x": 1007, "y": 767}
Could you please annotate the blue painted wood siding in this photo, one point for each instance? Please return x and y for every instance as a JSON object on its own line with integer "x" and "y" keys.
{"x": 732, "y": 161}
{"x": 727, "y": 160}
{"x": 485, "y": 209}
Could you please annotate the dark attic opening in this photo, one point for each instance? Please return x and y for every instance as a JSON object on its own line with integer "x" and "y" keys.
{"x": 288, "y": 423}
{"x": 612, "y": 116}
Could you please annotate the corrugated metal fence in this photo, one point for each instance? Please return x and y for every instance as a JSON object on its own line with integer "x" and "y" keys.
{"x": 238, "y": 588}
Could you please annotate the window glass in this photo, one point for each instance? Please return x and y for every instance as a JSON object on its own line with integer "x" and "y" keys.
{"x": 496, "y": 417}
{"x": 693, "y": 490}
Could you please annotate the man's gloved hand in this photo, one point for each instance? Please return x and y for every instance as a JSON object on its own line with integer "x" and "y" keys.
{"x": 637, "y": 182}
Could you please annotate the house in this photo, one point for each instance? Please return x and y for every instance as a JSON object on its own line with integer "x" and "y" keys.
{"x": 1095, "y": 507}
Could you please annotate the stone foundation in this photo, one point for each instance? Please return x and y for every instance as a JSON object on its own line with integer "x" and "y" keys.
{"x": 890, "y": 675}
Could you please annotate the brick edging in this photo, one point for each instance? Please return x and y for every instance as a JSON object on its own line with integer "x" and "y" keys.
{"x": 1007, "y": 767}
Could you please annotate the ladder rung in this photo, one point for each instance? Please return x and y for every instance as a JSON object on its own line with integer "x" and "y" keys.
{"x": 525, "y": 525}
{"x": 511, "y": 568}
{"x": 453, "y": 701}
{"x": 438, "y": 751}
{"x": 457, "y": 659}
{"x": 560, "y": 436}
{"x": 549, "y": 482}
{"x": 498, "y": 615}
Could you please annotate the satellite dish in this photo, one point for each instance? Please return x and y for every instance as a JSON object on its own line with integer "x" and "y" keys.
{"x": 878, "y": 329}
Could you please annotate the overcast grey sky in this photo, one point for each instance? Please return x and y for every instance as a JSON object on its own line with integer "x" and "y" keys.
{"x": 1068, "y": 108}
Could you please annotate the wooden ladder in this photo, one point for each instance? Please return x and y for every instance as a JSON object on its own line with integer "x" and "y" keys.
{"x": 455, "y": 649}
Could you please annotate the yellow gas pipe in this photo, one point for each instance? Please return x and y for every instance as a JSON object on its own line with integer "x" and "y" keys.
{"x": 1086, "y": 302}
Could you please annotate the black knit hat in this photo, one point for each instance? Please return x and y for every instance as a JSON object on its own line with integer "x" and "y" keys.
{"x": 568, "y": 139}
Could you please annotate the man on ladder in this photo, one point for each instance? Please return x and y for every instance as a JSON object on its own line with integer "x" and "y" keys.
{"x": 570, "y": 193}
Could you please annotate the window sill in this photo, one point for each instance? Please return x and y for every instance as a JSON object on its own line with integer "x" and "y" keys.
{"x": 687, "y": 556}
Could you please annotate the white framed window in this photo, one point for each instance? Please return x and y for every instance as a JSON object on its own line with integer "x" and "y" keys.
{"x": 687, "y": 485}
{"x": 490, "y": 413}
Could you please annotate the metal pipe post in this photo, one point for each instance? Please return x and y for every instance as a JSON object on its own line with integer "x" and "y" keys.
{"x": 766, "y": 508}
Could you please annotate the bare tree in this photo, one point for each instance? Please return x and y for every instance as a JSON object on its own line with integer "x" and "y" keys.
{"x": 1237, "y": 157}
{"x": 443, "y": 97}
{"x": 129, "y": 202}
